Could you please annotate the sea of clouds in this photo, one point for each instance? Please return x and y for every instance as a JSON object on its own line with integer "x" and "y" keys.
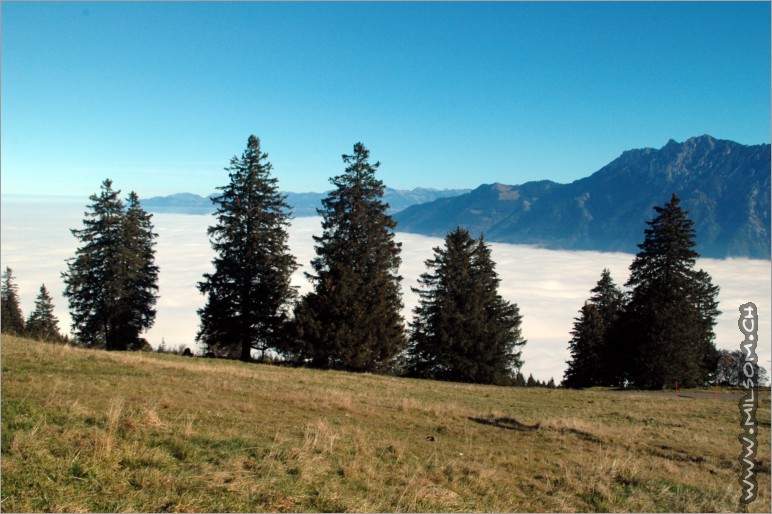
{"x": 549, "y": 286}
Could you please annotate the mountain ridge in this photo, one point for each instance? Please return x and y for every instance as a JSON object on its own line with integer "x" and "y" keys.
{"x": 724, "y": 185}
{"x": 303, "y": 204}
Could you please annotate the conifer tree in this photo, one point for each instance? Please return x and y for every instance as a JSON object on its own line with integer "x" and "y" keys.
{"x": 42, "y": 324}
{"x": 608, "y": 299}
{"x": 249, "y": 292}
{"x": 12, "y": 321}
{"x": 92, "y": 282}
{"x": 111, "y": 282}
{"x": 463, "y": 330}
{"x": 530, "y": 382}
{"x": 351, "y": 319}
{"x": 673, "y": 308}
{"x": 139, "y": 273}
{"x": 597, "y": 354}
{"x": 586, "y": 346}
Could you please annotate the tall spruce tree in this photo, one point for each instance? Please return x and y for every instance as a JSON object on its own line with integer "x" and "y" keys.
{"x": 12, "y": 320}
{"x": 608, "y": 298}
{"x": 585, "y": 369}
{"x": 462, "y": 329}
{"x": 613, "y": 352}
{"x": 42, "y": 324}
{"x": 93, "y": 285}
{"x": 597, "y": 353}
{"x": 111, "y": 283}
{"x": 249, "y": 292}
{"x": 139, "y": 273}
{"x": 672, "y": 309}
{"x": 351, "y": 319}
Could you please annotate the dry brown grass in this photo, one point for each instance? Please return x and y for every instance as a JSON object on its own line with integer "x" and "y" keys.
{"x": 94, "y": 431}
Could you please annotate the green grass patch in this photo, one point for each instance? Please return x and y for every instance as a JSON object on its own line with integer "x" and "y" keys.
{"x": 95, "y": 431}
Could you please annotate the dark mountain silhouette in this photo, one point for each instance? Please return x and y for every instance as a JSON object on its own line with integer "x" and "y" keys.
{"x": 303, "y": 204}
{"x": 724, "y": 185}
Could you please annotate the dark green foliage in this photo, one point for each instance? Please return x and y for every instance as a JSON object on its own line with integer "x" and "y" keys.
{"x": 112, "y": 281}
{"x": 530, "y": 382}
{"x": 608, "y": 298}
{"x": 519, "y": 379}
{"x": 139, "y": 273}
{"x": 672, "y": 309}
{"x": 463, "y": 330}
{"x": 664, "y": 331}
{"x": 42, "y": 324}
{"x": 586, "y": 368}
{"x": 12, "y": 320}
{"x": 551, "y": 383}
{"x": 249, "y": 292}
{"x": 351, "y": 319}
{"x": 597, "y": 355}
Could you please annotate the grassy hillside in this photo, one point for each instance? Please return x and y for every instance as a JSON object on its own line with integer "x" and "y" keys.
{"x": 91, "y": 431}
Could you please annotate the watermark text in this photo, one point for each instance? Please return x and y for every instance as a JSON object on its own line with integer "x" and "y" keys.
{"x": 748, "y": 323}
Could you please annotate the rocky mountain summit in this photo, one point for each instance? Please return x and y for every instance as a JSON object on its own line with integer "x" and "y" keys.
{"x": 724, "y": 185}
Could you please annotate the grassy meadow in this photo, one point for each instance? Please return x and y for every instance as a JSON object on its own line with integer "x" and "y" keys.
{"x": 87, "y": 430}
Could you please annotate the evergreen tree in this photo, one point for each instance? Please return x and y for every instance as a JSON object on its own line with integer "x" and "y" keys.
{"x": 705, "y": 298}
{"x": 111, "y": 282}
{"x": 463, "y": 330}
{"x": 139, "y": 274}
{"x": 530, "y": 382}
{"x": 92, "y": 282}
{"x": 551, "y": 383}
{"x": 597, "y": 355}
{"x": 249, "y": 292}
{"x": 42, "y": 324}
{"x": 519, "y": 379}
{"x": 586, "y": 346}
{"x": 672, "y": 310}
{"x": 12, "y": 321}
{"x": 608, "y": 299}
{"x": 351, "y": 319}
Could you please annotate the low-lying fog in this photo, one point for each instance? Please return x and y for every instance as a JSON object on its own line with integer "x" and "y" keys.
{"x": 549, "y": 286}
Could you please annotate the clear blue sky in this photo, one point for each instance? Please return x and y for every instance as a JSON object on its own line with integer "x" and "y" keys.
{"x": 159, "y": 96}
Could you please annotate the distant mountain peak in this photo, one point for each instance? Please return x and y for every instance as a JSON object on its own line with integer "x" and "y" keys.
{"x": 725, "y": 186}
{"x": 303, "y": 204}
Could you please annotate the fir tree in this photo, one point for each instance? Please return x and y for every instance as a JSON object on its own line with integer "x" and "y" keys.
{"x": 586, "y": 346}
{"x": 551, "y": 383}
{"x": 608, "y": 299}
{"x": 249, "y": 292}
{"x": 612, "y": 348}
{"x": 530, "y": 382}
{"x": 111, "y": 282}
{"x": 672, "y": 308}
{"x": 92, "y": 282}
{"x": 351, "y": 319}
{"x": 597, "y": 355}
{"x": 12, "y": 321}
{"x": 463, "y": 330}
{"x": 42, "y": 324}
{"x": 139, "y": 274}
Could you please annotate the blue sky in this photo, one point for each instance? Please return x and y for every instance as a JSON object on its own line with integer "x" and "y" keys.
{"x": 159, "y": 96}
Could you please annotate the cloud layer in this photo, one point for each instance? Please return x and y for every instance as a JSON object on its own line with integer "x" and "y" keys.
{"x": 549, "y": 286}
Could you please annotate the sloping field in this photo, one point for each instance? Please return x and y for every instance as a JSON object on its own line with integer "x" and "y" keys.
{"x": 95, "y": 431}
